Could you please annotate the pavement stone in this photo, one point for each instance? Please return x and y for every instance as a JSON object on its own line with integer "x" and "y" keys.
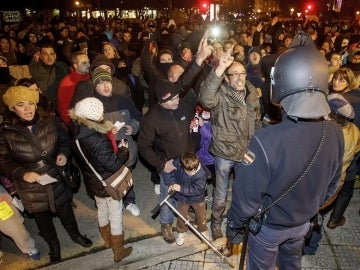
{"x": 339, "y": 248}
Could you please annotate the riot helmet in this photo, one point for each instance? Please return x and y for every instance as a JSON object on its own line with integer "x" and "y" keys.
{"x": 300, "y": 80}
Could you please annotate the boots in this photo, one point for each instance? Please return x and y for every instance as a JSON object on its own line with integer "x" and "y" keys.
{"x": 75, "y": 235}
{"x": 55, "y": 256}
{"x": 117, "y": 244}
{"x": 106, "y": 235}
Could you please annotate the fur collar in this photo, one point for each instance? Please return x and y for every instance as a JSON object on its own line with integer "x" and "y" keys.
{"x": 101, "y": 127}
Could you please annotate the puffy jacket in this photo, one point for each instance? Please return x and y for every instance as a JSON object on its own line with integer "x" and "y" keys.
{"x": 98, "y": 150}
{"x": 24, "y": 151}
{"x": 232, "y": 122}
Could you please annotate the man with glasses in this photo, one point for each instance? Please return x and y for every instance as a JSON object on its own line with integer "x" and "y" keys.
{"x": 234, "y": 105}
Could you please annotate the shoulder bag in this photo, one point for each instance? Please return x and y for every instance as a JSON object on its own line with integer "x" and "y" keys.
{"x": 118, "y": 184}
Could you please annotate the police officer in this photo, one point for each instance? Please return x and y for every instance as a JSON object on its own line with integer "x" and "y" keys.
{"x": 304, "y": 149}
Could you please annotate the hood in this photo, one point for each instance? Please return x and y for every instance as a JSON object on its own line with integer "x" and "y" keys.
{"x": 101, "y": 127}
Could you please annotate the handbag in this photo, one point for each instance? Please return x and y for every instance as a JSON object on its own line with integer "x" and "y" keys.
{"x": 118, "y": 184}
{"x": 255, "y": 222}
{"x": 71, "y": 175}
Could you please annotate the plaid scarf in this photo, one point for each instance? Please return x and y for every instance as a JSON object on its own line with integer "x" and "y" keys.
{"x": 238, "y": 96}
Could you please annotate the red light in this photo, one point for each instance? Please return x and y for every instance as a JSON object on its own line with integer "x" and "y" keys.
{"x": 309, "y": 6}
{"x": 204, "y": 6}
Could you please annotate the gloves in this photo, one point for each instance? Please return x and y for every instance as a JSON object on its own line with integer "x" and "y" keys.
{"x": 234, "y": 235}
{"x": 234, "y": 240}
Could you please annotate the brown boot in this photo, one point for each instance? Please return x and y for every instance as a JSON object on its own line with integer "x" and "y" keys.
{"x": 117, "y": 244}
{"x": 106, "y": 235}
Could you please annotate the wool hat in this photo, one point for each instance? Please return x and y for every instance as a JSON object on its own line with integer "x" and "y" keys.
{"x": 100, "y": 75}
{"x": 101, "y": 59}
{"x": 341, "y": 106}
{"x": 185, "y": 44}
{"x": 90, "y": 108}
{"x": 16, "y": 94}
{"x": 166, "y": 90}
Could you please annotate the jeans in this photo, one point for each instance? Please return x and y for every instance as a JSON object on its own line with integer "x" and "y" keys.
{"x": 271, "y": 246}
{"x": 109, "y": 209}
{"x": 223, "y": 168}
{"x": 166, "y": 215}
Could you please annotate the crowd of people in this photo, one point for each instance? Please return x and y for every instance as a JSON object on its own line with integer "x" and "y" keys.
{"x": 200, "y": 108}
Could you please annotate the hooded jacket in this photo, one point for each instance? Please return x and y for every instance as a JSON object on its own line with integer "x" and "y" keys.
{"x": 99, "y": 151}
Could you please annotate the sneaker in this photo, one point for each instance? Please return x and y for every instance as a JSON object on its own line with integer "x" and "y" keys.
{"x": 168, "y": 234}
{"x": 157, "y": 189}
{"x": 180, "y": 239}
{"x": 133, "y": 209}
{"x": 34, "y": 255}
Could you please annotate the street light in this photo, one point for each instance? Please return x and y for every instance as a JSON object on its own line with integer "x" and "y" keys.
{"x": 292, "y": 11}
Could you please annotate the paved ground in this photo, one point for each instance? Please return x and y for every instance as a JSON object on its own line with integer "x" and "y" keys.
{"x": 339, "y": 249}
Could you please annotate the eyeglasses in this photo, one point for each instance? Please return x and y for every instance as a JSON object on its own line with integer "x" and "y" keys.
{"x": 240, "y": 74}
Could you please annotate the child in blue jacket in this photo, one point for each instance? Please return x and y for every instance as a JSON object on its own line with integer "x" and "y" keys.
{"x": 189, "y": 180}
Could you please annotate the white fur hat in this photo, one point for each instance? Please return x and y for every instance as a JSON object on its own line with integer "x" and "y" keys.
{"x": 90, "y": 108}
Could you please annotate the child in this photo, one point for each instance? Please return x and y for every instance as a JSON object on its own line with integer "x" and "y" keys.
{"x": 203, "y": 153}
{"x": 189, "y": 180}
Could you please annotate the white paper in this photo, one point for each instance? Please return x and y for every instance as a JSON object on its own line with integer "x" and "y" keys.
{"x": 46, "y": 179}
{"x": 18, "y": 204}
{"x": 119, "y": 125}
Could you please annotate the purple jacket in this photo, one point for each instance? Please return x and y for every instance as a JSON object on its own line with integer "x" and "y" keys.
{"x": 204, "y": 155}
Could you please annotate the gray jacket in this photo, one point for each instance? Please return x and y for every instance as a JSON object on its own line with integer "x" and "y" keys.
{"x": 232, "y": 122}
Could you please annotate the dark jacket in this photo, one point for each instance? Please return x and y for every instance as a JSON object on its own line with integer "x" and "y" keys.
{"x": 192, "y": 187}
{"x": 165, "y": 134}
{"x": 48, "y": 78}
{"x": 122, "y": 109}
{"x": 98, "y": 149}
{"x": 86, "y": 89}
{"x": 24, "y": 151}
{"x": 282, "y": 153}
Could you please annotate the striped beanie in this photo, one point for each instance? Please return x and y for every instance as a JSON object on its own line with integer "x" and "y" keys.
{"x": 100, "y": 75}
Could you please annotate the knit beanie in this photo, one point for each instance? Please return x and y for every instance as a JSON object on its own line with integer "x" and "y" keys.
{"x": 16, "y": 94}
{"x": 101, "y": 59}
{"x": 90, "y": 108}
{"x": 100, "y": 75}
{"x": 339, "y": 105}
{"x": 166, "y": 90}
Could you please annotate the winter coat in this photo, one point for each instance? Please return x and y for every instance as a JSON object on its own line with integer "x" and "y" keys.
{"x": 122, "y": 109}
{"x": 165, "y": 134}
{"x": 281, "y": 153}
{"x": 192, "y": 187}
{"x": 24, "y": 151}
{"x": 232, "y": 122}
{"x": 99, "y": 151}
{"x": 204, "y": 155}
{"x": 86, "y": 89}
{"x": 48, "y": 77}
{"x": 66, "y": 91}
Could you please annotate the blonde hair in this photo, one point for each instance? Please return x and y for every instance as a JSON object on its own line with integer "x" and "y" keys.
{"x": 348, "y": 75}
